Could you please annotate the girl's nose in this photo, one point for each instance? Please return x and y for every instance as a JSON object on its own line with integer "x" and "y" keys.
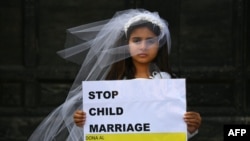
{"x": 143, "y": 45}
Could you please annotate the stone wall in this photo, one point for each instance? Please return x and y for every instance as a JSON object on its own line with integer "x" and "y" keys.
{"x": 210, "y": 49}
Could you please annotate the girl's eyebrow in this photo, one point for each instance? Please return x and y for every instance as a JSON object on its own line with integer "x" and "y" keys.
{"x": 151, "y": 37}
{"x": 135, "y": 37}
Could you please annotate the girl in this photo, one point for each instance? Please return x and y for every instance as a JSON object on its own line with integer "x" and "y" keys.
{"x": 134, "y": 44}
{"x": 148, "y": 41}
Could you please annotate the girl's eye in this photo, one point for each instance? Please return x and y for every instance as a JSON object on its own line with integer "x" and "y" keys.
{"x": 151, "y": 41}
{"x": 136, "y": 40}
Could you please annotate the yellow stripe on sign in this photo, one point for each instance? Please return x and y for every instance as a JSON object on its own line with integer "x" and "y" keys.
{"x": 137, "y": 137}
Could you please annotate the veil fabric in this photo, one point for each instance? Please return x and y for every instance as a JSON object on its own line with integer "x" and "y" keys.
{"x": 95, "y": 46}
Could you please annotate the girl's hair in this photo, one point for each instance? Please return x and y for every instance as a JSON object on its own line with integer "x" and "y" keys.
{"x": 126, "y": 69}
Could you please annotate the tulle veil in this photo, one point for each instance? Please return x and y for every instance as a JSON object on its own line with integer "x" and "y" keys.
{"x": 95, "y": 46}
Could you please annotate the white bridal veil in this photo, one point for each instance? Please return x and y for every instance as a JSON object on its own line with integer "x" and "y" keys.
{"x": 95, "y": 46}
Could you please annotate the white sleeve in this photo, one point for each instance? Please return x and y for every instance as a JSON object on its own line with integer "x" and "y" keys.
{"x": 191, "y": 135}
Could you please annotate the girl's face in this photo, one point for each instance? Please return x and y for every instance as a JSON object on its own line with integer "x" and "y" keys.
{"x": 143, "y": 45}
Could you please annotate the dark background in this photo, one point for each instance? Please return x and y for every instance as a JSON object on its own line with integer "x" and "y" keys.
{"x": 210, "y": 49}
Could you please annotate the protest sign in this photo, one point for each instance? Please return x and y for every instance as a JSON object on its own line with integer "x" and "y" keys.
{"x": 139, "y": 109}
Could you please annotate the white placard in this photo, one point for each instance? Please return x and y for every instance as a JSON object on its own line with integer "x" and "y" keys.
{"x": 121, "y": 109}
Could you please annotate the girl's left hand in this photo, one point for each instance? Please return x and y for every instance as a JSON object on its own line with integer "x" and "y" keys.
{"x": 193, "y": 120}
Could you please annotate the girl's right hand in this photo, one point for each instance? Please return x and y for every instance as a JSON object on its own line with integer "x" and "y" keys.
{"x": 79, "y": 118}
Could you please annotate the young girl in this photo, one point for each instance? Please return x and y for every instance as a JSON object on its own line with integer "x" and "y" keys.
{"x": 134, "y": 44}
{"x": 149, "y": 43}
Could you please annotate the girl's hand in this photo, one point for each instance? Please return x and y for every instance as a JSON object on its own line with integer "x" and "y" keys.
{"x": 193, "y": 120}
{"x": 79, "y": 118}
